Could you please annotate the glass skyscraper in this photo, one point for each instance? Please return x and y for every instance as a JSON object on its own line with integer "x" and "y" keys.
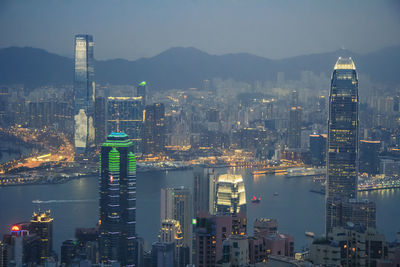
{"x": 84, "y": 92}
{"x": 342, "y": 148}
{"x": 117, "y": 241}
{"x": 125, "y": 114}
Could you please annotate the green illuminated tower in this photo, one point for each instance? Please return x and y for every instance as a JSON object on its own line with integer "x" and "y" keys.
{"x": 117, "y": 201}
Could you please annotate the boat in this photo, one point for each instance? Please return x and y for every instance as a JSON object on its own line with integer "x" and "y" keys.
{"x": 254, "y": 199}
{"x": 309, "y": 234}
{"x": 276, "y": 194}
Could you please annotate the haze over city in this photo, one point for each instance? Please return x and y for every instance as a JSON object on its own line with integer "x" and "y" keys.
{"x": 134, "y": 29}
{"x": 225, "y": 133}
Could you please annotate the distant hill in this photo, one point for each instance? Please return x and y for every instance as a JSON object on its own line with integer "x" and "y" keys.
{"x": 186, "y": 67}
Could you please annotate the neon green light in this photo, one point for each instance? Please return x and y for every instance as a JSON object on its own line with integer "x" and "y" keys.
{"x": 142, "y": 83}
{"x": 131, "y": 163}
{"x": 194, "y": 221}
{"x": 113, "y": 160}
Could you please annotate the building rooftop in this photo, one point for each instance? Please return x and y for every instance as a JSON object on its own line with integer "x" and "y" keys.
{"x": 345, "y": 63}
{"x": 230, "y": 178}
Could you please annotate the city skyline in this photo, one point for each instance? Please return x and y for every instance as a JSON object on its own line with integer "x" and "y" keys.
{"x": 188, "y": 159}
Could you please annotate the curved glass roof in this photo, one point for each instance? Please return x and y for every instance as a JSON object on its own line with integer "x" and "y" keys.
{"x": 345, "y": 63}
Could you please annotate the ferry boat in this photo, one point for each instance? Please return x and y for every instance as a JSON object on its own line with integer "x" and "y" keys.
{"x": 254, "y": 199}
{"x": 309, "y": 234}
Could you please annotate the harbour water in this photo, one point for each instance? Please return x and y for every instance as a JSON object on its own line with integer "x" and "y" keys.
{"x": 75, "y": 204}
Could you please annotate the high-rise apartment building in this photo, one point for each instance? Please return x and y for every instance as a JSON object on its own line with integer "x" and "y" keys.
{"x": 84, "y": 93}
{"x": 125, "y": 114}
{"x": 117, "y": 237}
{"x": 342, "y": 148}
{"x": 154, "y": 129}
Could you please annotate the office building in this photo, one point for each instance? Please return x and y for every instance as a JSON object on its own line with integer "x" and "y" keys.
{"x": 154, "y": 129}
{"x": 359, "y": 212}
{"x": 204, "y": 191}
{"x": 125, "y": 114}
{"x": 369, "y": 153}
{"x": 84, "y": 93}
{"x": 171, "y": 232}
{"x": 295, "y": 127}
{"x": 69, "y": 249}
{"x": 141, "y": 91}
{"x": 342, "y": 157}
{"x": 318, "y": 149}
{"x": 100, "y": 120}
{"x": 41, "y": 224}
{"x": 230, "y": 194}
{"x": 163, "y": 254}
{"x": 176, "y": 204}
{"x": 21, "y": 247}
{"x": 117, "y": 237}
{"x": 235, "y": 251}
{"x": 349, "y": 246}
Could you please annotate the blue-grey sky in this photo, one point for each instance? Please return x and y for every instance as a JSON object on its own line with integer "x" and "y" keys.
{"x": 142, "y": 28}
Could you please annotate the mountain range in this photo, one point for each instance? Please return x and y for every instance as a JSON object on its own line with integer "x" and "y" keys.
{"x": 182, "y": 68}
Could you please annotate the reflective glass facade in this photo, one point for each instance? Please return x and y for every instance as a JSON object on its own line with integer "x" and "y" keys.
{"x": 84, "y": 92}
{"x": 342, "y": 148}
{"x": 125, "y": 114}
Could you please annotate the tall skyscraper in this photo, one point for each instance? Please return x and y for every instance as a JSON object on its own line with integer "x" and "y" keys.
{"x": 117, "y": 201}
{"x": 204, "y": 191}
{"x": 141, "y": 91}
{"x": 125, "y": 114}
{"x": 295, "y": 127}
{"x": 342, "y": 149}
{"x": 176, "y": 204}
{"x": 231, "y": 195}
{"x": 84, "y": 93}
{"x": 154, "y": 129}
{"x": 294, "y": 132}
{"x": 100, "y": 120}
{"x": 41, "y": 224}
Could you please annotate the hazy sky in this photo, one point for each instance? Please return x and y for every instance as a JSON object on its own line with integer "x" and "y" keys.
{"x": 141, "y": 28}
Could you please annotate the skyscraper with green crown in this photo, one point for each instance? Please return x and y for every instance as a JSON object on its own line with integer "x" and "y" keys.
{"x": 117, "y": 171}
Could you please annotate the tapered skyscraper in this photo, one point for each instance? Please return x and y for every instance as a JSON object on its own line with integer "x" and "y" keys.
{"x": 84, "y": 93}
{"x": 342, "y": 149}
{"x": 118, "y": 201}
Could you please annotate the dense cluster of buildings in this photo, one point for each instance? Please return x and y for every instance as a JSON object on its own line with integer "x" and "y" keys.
{"x": 207, "y": 225}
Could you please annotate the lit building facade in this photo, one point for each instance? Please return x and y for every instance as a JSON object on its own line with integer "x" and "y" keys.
{"x": 141, "y": 92}
{"x": 125, "y": 114}
{"x": 117, "y": 237}
{"x": 230, "y": 194}
{"x": 84, "y": 93}
{"x": 171, "y": 232}
{"x": 342, "y": 148}
{"x": 41, "y": 224}
{"x": 176, "y": 204}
